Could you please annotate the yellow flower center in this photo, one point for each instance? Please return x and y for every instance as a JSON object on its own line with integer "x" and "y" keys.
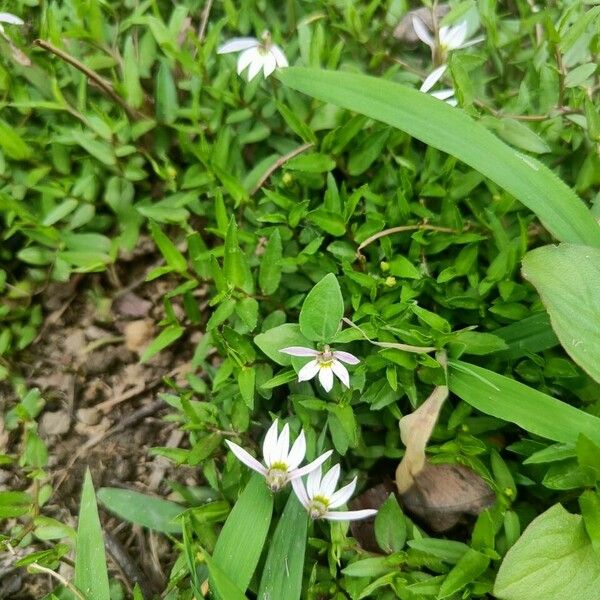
{"x": 276, "y": 476}
{"x": 317, "y": 507}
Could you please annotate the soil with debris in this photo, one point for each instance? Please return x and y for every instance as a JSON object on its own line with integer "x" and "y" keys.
{"x": 102, "y": 410}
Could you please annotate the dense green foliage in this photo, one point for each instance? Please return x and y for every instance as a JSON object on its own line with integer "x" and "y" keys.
{"x": 291, "y": 203}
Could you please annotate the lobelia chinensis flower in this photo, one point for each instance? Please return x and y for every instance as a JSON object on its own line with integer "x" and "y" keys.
{"x": 431, "y": 79}
{"x": 324, "y": 364}
{"x": 255, "y": 54}
{"x": 281, "y": 462}
{"x": 320, "y": 498}
{"x": 10, "y": 19}
{"x": 452, "y": 37}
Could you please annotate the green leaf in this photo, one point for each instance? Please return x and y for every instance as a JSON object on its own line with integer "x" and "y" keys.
{"x": 165, "y": 338}
{"x": 12, "y": 143}
{"x": 91, "y": 575}
{"x": 567, "y": 278}
{"x": 531, "y": 334}
{"x": 154, "y": 513}
{"x": 589, "y": 503}
{"x": 517, "y": 134}
{"x": 166, "y": 94}
{"x": 131, "y": 79}
{"x": 98, "y": 149}
{"x": 322, "y": 310}
{"x": 282, "y": 336}
{"x": 223, "y": 585}
{"x": 579, "y": 74}
{"x": 282, "y": 573}
{"x": 515, "y": 402}
{"x": 449, "y": 551}
{"x": 470, "y": 566}
{"x": 328, "y": 221}
{"x": 235, "y": 265}
{"x": 552, "y": 559}
{"x": 246, "y": 381}
{"x": 311, "y": 163}
{"x": 390, "y": 526}
{"x": 454, "y": 132}
{"x": 269, "y": 274}
{"x": 167, "y": 248}
{"x": 243, "y": 536}
{"x": 297, "y": 125}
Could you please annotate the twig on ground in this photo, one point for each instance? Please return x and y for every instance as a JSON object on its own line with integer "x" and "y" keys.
{"x": 401, "y": 229}
{"x": 99, "y": 81}
{"x": 130, "y": 570}
{"x": 204, "y": 20}
{"x": 278, "y": 163}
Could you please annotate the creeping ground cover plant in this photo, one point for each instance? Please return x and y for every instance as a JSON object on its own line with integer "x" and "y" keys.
{"x": 299, "y": 300}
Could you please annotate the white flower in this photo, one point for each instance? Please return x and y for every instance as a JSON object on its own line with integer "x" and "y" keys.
{"x": 453, "y": 37}
{"x": 319, "y": 497}
{"x": 255, "y": 54}
{"x": 325, "y": 364}
{"x": 9, "y": 18}
{"x": 431, "y": 79}
{"x": 281, "y": 462}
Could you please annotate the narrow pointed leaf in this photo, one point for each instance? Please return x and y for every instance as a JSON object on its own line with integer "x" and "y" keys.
{"x": 91, "y": 576}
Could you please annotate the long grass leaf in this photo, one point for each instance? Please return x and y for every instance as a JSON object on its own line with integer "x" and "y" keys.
{"x": 451, "y": 130}
{"x": 509, "y": 400}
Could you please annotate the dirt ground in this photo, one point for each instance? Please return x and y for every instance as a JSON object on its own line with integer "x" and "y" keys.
{"x": 102, "y": 410}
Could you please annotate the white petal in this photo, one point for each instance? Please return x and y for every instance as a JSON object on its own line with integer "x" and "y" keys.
{"x": 283, "y": 445}
{"x": 256, "y": 65}
{"x": 326, "y": 378}
{"x": 10, "y": 18}
{"x": 349, "y": 515}
{"x": 313, "y": 482}
{"x": 311, "y": 466}
{"x": 309, "y": 370}
{"x": 472, "y": 42}
{"x": 237, "y": 45}
{"x": 299, "y": 351}
{"x": 247, "y": 57}
{"x": 297, "y": 453}
{"x": 452, "y": 102}
{"x": 246, "y": 458}
{"x": 342, "y": 495}
{"x": 270, "y": 444}
{"x": 342, "y": 373}
{"x": 443, "y": 94}
{"x": 270, "y": 64}
{"x": 300, "y": 492}
{"x": 346, "y": 357}
{"x": 329, "y": 481}
{"x": 422, "y": 31}
{"x": 454, "y": 36}
{"x": 280, "y": 58}
{"x": 433, "y": 78}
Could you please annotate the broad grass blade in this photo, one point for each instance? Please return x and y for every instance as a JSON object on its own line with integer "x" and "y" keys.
{"x": 567, "y": 278}
{"x": 243, "y": 536}
{"x": 282, "y": 574}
